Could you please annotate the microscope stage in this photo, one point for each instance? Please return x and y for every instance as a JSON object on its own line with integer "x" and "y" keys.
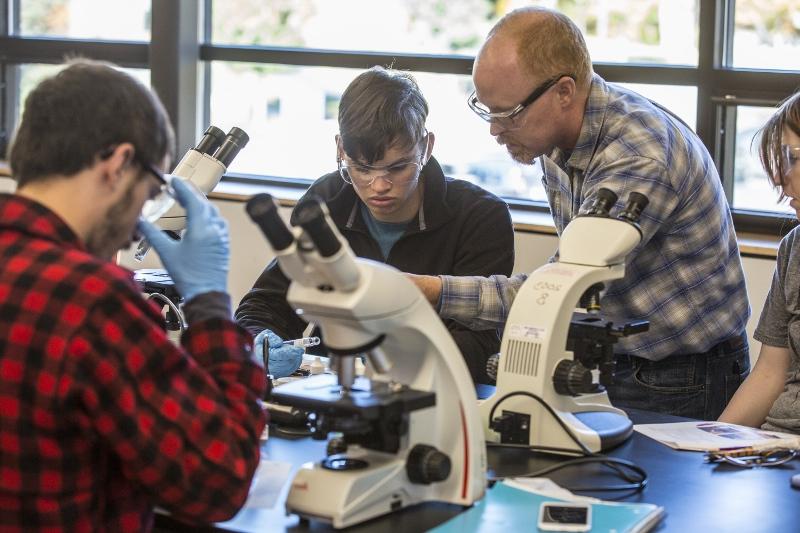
{"x": 368, "y": 399}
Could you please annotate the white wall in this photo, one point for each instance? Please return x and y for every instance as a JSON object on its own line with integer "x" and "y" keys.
{"x": 250, "y": 254}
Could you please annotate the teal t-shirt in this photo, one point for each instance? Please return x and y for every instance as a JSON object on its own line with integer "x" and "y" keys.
{"x": 386, "y": 233}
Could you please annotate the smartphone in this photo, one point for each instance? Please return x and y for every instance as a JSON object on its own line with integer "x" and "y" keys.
{"x": 565, "y": 516}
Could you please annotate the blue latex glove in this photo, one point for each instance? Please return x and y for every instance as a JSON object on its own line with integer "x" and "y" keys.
{"x": 198, "y": 263}
{"x": 283, "y": 358}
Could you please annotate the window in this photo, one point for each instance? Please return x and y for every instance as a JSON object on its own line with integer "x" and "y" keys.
{"x": 277, "y": 69}
{"x": 766, "y": 34}
{"x": 299, "y": 143}
{"x": 622, "y": 32}
{"x": 644, "y": 32}
{"x": 37, "y": 35}
{"x": 30, "y": 75}
{"x": 85, "y": 19}
{"x": 752, "y": 189}
{"x": 640, "y": 31}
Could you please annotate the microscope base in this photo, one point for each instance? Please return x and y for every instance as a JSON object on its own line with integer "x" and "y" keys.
{"x": 611, "y": 428}
{"x": 359, "y": 495}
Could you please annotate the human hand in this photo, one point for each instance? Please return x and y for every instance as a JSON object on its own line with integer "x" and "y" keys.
{"x": 431, "y": 286}
{"x": 198, "y": 262}
{"x": 283, "y": 359}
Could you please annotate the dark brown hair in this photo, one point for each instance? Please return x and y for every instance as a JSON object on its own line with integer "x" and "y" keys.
{"x": 786, "y": 116}
{"x": 380, "y": 109}
{"x": 73, "y": 116}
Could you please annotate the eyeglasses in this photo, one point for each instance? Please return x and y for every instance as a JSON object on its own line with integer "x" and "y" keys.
{"x": 749, "y": 457}
{"x": 363, "y": 176}
{"x": 790, "y": 155}
{"x": 506, "y": 118}
{"x": 155, "y": 207}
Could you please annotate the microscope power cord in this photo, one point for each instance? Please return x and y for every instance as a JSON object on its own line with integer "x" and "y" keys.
{"x": 634, "y": 475}
{"x": 169, "y": 303}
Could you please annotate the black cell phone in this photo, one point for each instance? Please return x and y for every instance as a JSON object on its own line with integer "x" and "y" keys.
{"x": 565, "y": 516}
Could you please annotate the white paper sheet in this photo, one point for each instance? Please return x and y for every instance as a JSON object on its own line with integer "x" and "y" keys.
{"x": 712, "y": 436}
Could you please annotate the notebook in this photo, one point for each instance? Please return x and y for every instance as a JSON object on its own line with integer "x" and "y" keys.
{"x": 507, "y": 507}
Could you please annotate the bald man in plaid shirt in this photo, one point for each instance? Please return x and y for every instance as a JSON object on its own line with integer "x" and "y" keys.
{"x": 101, "y": 416}
{"x": 535, "y": 86}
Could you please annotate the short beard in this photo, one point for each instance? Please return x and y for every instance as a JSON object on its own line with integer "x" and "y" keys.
{"x": 526, "y": 157}
{"x": 519, "y": 153}
{"x": 103, "y": 238}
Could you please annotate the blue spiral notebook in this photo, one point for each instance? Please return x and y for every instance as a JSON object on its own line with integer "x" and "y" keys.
{"x": 506, "y": 508}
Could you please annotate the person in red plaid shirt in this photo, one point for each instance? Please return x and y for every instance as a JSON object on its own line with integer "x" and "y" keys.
{"x": 101, "y": 416}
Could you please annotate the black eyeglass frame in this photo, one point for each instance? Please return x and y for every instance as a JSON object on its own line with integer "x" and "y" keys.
{"x": 473, "y": 103}
{"x": 152, "y": 170}
{"x": 149, "y": 167}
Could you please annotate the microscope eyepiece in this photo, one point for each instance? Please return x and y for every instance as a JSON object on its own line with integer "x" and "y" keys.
{"x": 235, "y": 140}
{"x": 211, "y": 140}
{"x": 633, "y": 210}
{"x": 603, "y": 203}
{"x": 311, "y": 217}
{"x": 264, "y": 212}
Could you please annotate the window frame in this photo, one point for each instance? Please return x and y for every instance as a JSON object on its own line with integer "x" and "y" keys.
{"x": 180, "y": 53}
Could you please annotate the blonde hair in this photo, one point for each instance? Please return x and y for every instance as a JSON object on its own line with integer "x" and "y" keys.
{"x": 548, "y": 43}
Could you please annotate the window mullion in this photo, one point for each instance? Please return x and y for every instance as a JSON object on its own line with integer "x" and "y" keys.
{"x": 174, "y": 66}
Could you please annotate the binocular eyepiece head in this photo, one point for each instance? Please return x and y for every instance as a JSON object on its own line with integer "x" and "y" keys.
{"x": 633, "y": 210}
{"x": 603, "y": 202}
{"x": 235, "y": 140}
{"x": 220, "y": 146}
{"x": 606, "y": 199}
{"x": 211, "y": 140}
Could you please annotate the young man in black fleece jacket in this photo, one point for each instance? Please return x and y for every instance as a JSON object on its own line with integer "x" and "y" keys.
{"x": 391, "y": 201}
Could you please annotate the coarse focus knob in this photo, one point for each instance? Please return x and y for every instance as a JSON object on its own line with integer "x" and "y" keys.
{"x": 572, "y": 378}
{"x": 425, "y": 465}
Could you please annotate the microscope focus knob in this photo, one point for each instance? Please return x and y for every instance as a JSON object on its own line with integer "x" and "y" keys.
{"x": 336, "y": 445}
{"x": 572, "y": 378}
{"x": 425, "y": 464}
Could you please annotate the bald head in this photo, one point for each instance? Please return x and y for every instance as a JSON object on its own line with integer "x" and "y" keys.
{"x": 540, "y": 42}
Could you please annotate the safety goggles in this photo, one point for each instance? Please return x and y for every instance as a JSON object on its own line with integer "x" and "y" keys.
{"x": 401, "y": 173}
{"x": 506, "y": 118}
{"x": 790, "y": 155}
{"x": 363, "y": 176}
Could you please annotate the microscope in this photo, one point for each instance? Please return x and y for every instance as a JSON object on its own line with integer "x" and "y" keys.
{"x": 555, "y": 361}
{"x": 203, "y": 166}
{"x": 406, "y": 432}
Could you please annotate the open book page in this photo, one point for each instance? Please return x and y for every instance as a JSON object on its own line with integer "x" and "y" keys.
{"x": 713, "y": 436}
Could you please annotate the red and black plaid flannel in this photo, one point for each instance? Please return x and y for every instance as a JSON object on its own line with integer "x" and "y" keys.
{"x": 101, "y": 416}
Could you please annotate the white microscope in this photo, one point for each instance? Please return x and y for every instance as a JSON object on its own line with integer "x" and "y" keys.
{"x": 407, "y": 432}
{"x": 203, "y": 166}
{"x": 561, "y": 356}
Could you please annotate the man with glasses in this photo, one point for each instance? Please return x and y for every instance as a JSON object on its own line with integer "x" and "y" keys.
{"x": 536, "y": 88}
{"x": 102, "y": 417}
{"x": 391, "y": 201}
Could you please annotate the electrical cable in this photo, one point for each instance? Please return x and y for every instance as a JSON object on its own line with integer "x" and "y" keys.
{"x": 634, "y": 475}
{"x": 163, "y": 299}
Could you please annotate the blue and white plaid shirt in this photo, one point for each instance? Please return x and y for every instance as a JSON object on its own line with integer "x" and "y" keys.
{"x": 685, "y": 277}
